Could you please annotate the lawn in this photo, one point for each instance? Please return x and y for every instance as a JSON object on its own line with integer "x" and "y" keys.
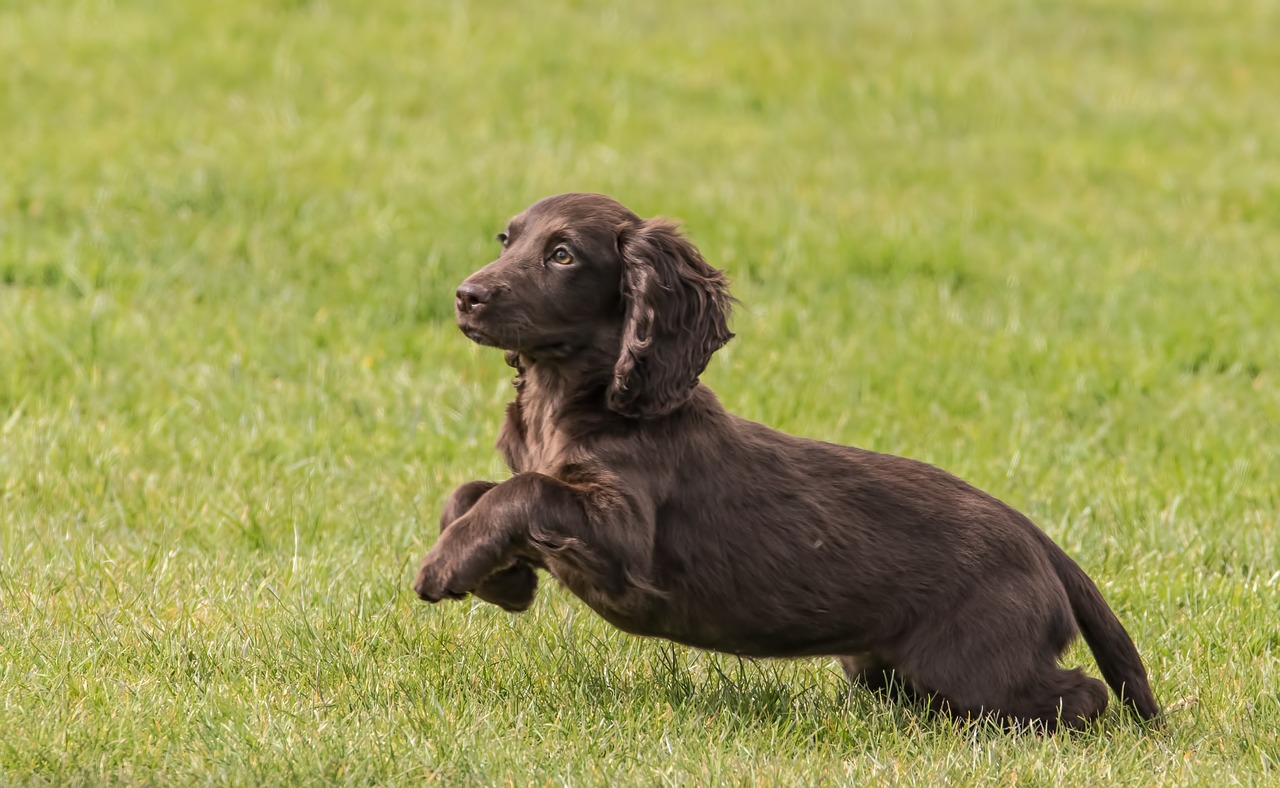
{"x": 1036, "y": 244}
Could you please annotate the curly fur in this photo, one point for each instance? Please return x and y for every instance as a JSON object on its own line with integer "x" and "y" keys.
{"x": 676, "y": 317}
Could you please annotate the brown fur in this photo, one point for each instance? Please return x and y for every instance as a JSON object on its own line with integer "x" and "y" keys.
{"x": 673, "y": 518}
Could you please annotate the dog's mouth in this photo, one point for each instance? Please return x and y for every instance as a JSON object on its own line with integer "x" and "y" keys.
{"x": 478, "y": 336}
{"x": 489, "y": 336}
{"x": 478, "y": 330}
{"x": 556, "y": 349}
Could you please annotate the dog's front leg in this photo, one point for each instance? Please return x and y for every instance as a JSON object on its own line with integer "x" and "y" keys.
{"x": 494, "y": 533}
{"x": 511, "y": 589}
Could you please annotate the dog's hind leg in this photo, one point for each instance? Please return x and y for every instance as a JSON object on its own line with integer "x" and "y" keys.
{"x": 875, "y": 674}
{"x": 997, "y": 655}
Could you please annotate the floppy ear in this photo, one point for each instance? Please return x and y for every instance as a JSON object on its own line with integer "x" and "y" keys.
{"x": 677, "y": 311}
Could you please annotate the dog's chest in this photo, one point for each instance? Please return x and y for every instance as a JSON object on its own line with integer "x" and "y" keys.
{"x": 532, "y": 440}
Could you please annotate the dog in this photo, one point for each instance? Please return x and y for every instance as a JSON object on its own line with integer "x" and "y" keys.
{"x": 672, "y": 518}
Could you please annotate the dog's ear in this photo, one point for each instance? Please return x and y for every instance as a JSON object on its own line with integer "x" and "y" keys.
{"x": 677, "y": 311}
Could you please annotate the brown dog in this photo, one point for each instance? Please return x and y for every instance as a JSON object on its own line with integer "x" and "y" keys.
{"x": 672, "y": 518}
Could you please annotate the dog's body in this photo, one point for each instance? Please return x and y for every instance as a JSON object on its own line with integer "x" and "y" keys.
{"x": 672, "y": 518}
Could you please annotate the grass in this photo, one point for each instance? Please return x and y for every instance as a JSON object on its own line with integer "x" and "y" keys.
{"x": 1033, "y": 243}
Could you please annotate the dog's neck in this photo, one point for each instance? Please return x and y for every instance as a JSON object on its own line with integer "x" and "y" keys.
{"x": 552, "y": 408}
{"x": 559, "y": 380}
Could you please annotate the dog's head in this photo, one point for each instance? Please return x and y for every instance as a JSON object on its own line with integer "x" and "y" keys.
{"x": 580, "y": 276}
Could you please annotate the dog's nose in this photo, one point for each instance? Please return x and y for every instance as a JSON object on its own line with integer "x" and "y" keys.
{"x": 471, "y": 295}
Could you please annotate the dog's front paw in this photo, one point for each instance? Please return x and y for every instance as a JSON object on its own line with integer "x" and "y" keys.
{"x": 433, "y": 584}
{"x": 511, "y": 589}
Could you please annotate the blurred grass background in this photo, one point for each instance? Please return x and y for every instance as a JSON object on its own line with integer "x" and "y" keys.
{"x": 1035, "y": 243}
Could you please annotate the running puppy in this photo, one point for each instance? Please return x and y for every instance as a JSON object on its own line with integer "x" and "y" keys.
{"x": 673, "y": 518}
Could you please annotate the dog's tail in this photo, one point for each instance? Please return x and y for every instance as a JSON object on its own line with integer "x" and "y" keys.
{"x": 1111, "y": 645}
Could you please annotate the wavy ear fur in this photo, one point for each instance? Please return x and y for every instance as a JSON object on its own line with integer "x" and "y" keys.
{"x": 677, "y": 311}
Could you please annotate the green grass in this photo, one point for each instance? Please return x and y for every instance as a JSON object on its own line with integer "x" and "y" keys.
{"x": 1033, "y": 243}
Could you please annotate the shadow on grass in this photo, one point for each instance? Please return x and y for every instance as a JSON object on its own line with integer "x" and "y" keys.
{"x": 806, "y": 698}
{"x": 809, "y": 698}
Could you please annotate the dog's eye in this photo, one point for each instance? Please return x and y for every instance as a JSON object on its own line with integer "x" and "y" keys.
{"x": 502, "y": 238}
{"x": 561, "y": 255}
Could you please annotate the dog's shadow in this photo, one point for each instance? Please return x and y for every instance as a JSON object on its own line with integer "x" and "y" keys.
{"x": 809, "y": 698}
